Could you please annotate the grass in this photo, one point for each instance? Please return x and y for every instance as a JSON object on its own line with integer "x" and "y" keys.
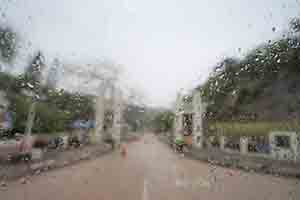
{"x": 251, "y": 128}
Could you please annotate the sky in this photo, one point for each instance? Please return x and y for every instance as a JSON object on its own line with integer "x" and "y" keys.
{"x": 162, "y": 45}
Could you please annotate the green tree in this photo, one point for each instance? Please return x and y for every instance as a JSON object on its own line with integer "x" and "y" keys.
{"x": 295, "y": 25}
{"x": 53, "y": 114}
{"x": 33, "y": 73}
{"x": 8, "y": 42}
{"x": 236, "y": 88}
{"x": 163, "y": 122}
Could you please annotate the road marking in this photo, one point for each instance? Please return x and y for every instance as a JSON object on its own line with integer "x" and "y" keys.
{"x": 145, "y": 191}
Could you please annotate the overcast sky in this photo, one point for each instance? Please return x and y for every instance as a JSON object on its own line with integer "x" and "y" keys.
{"x": 163, "y": 45}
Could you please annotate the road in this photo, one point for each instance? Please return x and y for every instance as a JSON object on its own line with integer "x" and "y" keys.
{"x": 150, "y": 171}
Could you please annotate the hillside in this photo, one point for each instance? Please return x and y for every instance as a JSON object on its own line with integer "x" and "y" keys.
{"x": 262, "y": 86}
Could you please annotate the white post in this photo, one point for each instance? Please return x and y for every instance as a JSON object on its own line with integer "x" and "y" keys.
{"x": 222, "y": 142}
{"x": 244, "y": 145}
{"x": 294, "y": 145}
{"x": 30, "y": 119}
{"x": 178, "y": 126}
{"x": 99, "y": 115}
{"x": 117, "y": 106}
{"x": 199, "y": 108}
{"x": 178, "y": 113}
{"x": 29, "y": 124}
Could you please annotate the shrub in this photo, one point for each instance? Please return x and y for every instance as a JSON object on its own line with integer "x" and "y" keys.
{"x": 250, "y": 128}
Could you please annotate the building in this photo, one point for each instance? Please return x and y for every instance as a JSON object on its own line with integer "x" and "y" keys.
{"x": 189, "y": 110}
{"x": 256, "y": 139}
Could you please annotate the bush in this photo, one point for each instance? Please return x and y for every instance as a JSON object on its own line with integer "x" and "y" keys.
{"x": 250, "y": 128}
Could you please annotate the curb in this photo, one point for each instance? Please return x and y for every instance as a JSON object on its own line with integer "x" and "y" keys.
{"x": 269, "y": 167}
{"x": 37, "y": 168}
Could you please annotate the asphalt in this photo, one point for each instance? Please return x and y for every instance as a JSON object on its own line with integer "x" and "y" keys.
{"x": 150, "y": 170}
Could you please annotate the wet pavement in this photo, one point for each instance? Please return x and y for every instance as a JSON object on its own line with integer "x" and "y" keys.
{"x": 150, "y": 171}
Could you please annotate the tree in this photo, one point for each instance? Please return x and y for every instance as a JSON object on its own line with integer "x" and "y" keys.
{"x": 236, "y": 88}
{"x": 7, "y": 44}
{"x": 295, "y": 25}
{"x": 33, "y": 76}
{"x": 135, "y": 116}
{"x": 55, "y": 113}
{"x": 163, "y": 122}
{"x": 33, "y": 73}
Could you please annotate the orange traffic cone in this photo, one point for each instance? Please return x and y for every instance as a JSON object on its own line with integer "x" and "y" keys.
{"x": 123, "y": 150}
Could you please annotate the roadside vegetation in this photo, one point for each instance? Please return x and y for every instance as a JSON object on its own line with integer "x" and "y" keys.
{"x": 250, "y": 128}
{"x": 163, "y": 122}
{"x": 53, "y": 114}
{"x": 55, "y": 109}
{"x": 258, "y": 92}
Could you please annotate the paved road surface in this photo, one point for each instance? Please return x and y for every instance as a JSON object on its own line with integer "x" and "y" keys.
{"x": 151, "y": 171}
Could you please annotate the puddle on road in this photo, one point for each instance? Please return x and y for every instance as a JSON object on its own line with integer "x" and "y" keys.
{"x": 182, "y": 181}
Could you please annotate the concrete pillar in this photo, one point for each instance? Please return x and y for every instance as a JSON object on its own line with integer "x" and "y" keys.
{"x": 272, "y": 145}
{"x": 179, "y": 127}
{"x": 298, "y": 147}
{"x": 294, "y": 146}
{"x": 244, "y": 145}
{"x": 178, "y": 130}
{"x": 199, "y": 108}
{"x": 28, "y": 140}
{"x": 222, "y": 142}
{"x": 197, "y": 130}
{"x": 96, "y": 135}
{"x": 118, "y": 110}
{"x": 30, "y": 119}
{"x": 198, "y": 141}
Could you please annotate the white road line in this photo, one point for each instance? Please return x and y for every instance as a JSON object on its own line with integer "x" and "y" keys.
{"x": 145, "y": 191}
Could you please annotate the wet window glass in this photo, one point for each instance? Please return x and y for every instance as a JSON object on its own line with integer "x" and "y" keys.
{"x": 160, "y": 99}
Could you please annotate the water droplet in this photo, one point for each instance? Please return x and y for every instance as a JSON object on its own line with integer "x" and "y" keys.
{"x": 30, "y": 85}
{"x": 271, "y": 15}
{"x": 283, "y": 5}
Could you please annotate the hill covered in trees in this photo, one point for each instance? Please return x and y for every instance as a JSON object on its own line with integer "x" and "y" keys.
{"x": 262, "y": 86}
